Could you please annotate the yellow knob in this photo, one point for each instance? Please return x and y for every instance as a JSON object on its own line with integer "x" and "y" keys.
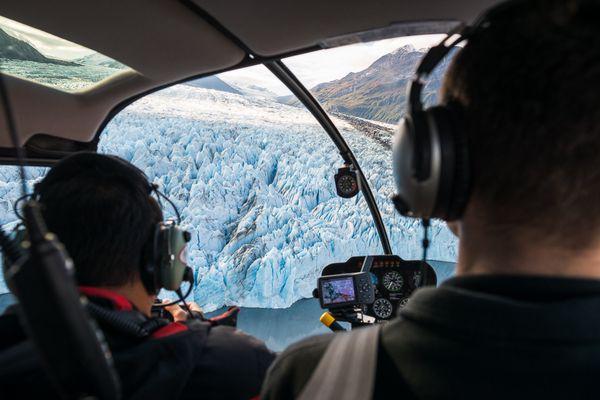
{"x": 327, "y": 319}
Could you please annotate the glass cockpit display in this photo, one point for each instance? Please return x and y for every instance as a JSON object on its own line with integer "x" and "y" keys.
{"x": 337, "y": 291}
{"x": 345, "y": 290}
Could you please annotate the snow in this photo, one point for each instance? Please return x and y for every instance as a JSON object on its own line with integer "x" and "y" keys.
{"x": 10, "y": 190}
{"x": 253, "y": 179}
{"x": 69, "y": 78}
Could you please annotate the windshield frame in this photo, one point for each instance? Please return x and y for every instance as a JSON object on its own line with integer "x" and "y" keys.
{"x": 286, "y": 76}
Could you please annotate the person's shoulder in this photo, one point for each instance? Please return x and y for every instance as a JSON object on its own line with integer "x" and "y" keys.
{"x": 308, "y": 349}
{"x": 237, "y": 350}
{"x": 293, "y": 368}
{"x": 231, "y": 365}
{"x": 232, "y": 337}
{"x": 301, "y": 356}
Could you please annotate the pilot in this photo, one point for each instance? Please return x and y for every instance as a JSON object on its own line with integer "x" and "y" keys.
{"x": 102, "y": 210}
{"x": 520, "y": 320}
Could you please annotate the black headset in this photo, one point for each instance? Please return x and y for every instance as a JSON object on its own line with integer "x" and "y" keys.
{"x": 164, "y": 264}
{"x": 430, "y": 153}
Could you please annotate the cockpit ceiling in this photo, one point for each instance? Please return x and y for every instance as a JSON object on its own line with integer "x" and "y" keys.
{"x": 165, "y": 41}
{"x": 272, "y": 27}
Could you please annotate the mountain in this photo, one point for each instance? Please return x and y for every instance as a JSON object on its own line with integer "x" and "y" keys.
{"x": 17, "y": 49}
{"x": 251, "y": 89}
{"x": 98, "y": 59}
{"x": 233, "y": 85}
{"x": 257, "y": 91}
{"x": 379, "y": 91}
{"x": 213, "y": 82}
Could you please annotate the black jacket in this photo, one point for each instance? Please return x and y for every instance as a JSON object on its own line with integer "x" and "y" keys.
{"x": 178, "y": 361}
{"x": 477, "y": 338}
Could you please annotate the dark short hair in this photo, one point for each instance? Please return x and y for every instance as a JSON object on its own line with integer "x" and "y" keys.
{"x": 530, "y": 89}
{"x": 100, "y": 208}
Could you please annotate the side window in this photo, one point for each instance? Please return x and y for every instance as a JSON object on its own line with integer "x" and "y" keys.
{"x": 10, "y": 192}
{"x": 363, "y": 87}
{"x": 35, "y": 55}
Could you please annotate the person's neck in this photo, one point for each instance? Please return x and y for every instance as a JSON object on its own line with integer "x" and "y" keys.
{"x": 138, "y": 296}
{"x": 480, "y": 252}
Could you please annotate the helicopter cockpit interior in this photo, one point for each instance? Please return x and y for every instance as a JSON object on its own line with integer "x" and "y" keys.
{"x": 267, "y": 126}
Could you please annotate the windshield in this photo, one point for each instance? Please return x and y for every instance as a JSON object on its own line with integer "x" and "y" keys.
{"x": 32, "y": 54}
{"x": 363, "y": 88}
{"x": 254, "y": 181}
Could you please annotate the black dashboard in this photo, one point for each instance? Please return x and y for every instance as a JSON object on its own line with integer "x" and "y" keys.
{"x": 393, "y": 278}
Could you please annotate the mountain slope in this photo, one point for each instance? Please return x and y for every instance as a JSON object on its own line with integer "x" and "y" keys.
{"x": 100, "y": 60}
{"x": 250, "y": 89}
{"x": 16, "y": 49}
{"x": 379, "y": 91}
{"x": 215, "y": 83}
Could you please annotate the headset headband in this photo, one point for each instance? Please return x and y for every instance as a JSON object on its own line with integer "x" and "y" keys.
{"x": 433, "y": 57}
{"x": 437, "y": 53}
{"x": 154, "y": 188}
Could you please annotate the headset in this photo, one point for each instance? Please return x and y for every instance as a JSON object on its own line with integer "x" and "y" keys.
{"x": 164, "y": 256}
{"x": 430, "y": 155}
{"x": 166, "y": 265}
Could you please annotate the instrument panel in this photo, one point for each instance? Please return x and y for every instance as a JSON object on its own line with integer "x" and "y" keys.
{"x": 393, "y": 278}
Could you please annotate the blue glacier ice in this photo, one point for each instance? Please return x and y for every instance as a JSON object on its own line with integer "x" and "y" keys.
{"x": 253, "y": 179}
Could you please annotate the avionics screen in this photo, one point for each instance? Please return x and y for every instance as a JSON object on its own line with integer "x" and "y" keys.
{"x": 339, "y": 290}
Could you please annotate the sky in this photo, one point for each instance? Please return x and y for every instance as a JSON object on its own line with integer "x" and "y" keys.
{"x": 326, "y": 65}
{"x": 49, "y": 45}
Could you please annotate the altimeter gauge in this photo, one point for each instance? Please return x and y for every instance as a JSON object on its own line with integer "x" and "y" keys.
{"x": 393, "y": 281}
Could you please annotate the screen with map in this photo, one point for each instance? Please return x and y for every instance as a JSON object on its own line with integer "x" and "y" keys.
{"x": 339, "y": 290}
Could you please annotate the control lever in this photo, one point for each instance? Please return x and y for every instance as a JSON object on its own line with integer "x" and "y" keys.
{"x": 329, "y": 321}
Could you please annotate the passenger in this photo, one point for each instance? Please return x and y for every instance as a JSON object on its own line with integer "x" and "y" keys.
{"x": 102, "y": 210}
{"x": 521, "y": 318}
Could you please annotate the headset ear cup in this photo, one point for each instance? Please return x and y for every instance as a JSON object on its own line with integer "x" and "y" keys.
{"x": 150, "y": 263}
{"x": 416, "y": 164}
{"x": 454, "y": 183}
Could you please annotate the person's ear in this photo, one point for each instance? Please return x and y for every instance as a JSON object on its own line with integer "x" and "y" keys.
{"x": 454, "y": 228}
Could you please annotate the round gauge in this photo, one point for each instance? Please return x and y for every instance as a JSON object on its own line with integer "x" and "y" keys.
{"x": 417, "y": 278}
{"x": 347, "y": 184}
{"x": 382, "y": 308}
{"x": 374, "y": 279}
{"x": 403, "y": 302}
{"x": 393, "y": 281}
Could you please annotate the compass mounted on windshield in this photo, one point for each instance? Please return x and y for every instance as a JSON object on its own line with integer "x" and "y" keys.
{"x": 346, "y": 182}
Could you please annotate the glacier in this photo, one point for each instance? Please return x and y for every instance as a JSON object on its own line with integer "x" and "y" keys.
{"x": 253, "y": 180}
